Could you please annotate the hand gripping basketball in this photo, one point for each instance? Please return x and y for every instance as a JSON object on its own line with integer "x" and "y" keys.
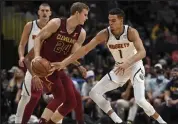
{"x": 40, "y": 66}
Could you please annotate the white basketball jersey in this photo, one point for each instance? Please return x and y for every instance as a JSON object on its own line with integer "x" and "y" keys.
{"x": 34, "y": 31}
{"x": 121, "y": 49}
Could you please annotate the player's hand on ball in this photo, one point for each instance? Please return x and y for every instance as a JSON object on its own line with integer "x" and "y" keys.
{"x": 21, "y": 60}
{"x": 36, "y": 57}
{"x": 83, "y": 71}
{"x": 33, "y": 60}
{"x": 37, "y": 83}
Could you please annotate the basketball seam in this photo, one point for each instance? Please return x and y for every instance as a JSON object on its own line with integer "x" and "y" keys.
{"x": 38, "y": 72}
{"x": 44, "y": 67}
{"x": 35, "y": 67}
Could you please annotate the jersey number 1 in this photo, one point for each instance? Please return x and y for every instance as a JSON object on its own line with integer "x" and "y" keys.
{"x": 120, "y": 52}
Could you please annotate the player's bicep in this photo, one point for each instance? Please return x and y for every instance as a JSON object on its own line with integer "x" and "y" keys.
{"x": 135, "y": 38}
{"x": 49, "y": 29}
{"x": 99, "y": 38}
{"x": 26, "y": 33}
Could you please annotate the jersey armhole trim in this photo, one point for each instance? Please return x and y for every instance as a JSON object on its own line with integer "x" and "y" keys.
{"x": 128, "y": 34}
{"x": 31, "y": 29}
{"x": 109, "y": 76}
{"x": 29, "y": 35}
{"x": 37, "y": 24}
{"x": 59, "y": 28}
{"x": 108, "y": 35}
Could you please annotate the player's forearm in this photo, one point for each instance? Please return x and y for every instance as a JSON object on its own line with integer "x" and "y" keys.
{"x": 27, "y": 61}
{"x": 21, "y": 50}
{"x": 75, "y": 56}
{"x": 138, "y": 56}
{"x": 37, "y": 46}
{"x": 76, "y": 63}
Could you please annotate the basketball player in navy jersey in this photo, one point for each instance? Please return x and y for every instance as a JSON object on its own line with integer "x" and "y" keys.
{"x": 30, "y": 96}
{"x": 56, "y": 41}
{"x": 128, "y": 51}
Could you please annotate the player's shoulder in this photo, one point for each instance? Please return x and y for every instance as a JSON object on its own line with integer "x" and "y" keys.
{"x": 53, "y": 25}
{"x": 29, "y": 24}
{"x": 55, "y": 21}
{"x": 132, "y": 34}
{"x": 131, "y": 30}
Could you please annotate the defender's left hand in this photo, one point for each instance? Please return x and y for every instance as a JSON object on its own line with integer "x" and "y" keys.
{"x": 121, "y": 68}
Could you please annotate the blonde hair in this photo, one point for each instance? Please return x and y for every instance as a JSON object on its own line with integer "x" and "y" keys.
{"x": 78, "y": 6}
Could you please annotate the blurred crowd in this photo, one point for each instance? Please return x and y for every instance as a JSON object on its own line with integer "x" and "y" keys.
{"x": 157, "y": 23}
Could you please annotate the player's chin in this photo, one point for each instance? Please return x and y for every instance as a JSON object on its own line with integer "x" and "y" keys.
{"x": 112, "y": 29}
{"x": 82, "y": 23}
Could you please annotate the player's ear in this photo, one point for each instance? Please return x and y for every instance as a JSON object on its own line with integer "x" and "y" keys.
{"x": 77, "y": 13}
{"x": 38, "y": 11}
{"x": 122, "y": 20}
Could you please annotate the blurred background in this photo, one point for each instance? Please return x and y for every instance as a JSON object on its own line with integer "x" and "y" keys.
{"x": 157, "y": 24}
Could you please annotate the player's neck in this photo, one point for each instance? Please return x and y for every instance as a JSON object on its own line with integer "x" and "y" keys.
{"x": 119, "y": 31}
{"x": 72, "y": 22}
{"x": 42, "y": 23}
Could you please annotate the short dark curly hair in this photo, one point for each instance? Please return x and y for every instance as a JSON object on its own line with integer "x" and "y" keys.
{"x": 117, "y": 11}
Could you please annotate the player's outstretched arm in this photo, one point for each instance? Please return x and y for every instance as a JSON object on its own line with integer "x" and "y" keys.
{"x": 135, "y": 38}
{"x": 99, "y": 38}
{"x": 46, "y": 32}
{"x": 23, "y": 42}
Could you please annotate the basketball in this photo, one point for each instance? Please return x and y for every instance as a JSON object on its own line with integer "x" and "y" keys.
{"x": 41, "y": 67}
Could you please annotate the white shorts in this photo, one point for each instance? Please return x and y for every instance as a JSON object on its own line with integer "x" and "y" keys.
{"x": 26, "y": 88}
{"x": 129, "y": 73}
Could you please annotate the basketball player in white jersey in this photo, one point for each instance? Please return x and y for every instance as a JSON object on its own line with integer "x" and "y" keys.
{"x": 128, "y": 51}
{"x": 28, "y": 99}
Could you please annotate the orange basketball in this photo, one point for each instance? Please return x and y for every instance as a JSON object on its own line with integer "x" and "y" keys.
{"x": 41, "y": 67}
